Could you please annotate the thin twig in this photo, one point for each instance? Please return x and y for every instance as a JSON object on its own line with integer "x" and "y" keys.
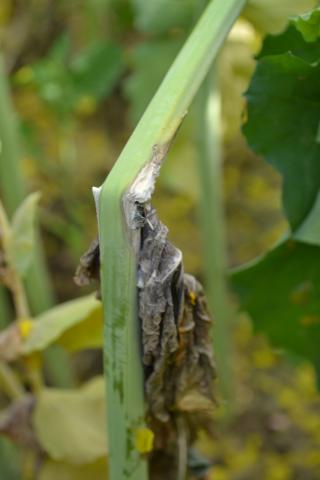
{"x": 10, "y": 383}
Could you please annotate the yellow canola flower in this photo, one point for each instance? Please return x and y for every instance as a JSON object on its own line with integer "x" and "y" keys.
{"x": 143, "y": 439}
{"x": 25, "y": 326}
{"x": 264, "y": 358}
{"x": 192, "y": 298}
{"x": 86, "y": 105}
{"x": 278, "y": 468}
{"x": 219, "y": 473}
{"x": 24, "y": 75}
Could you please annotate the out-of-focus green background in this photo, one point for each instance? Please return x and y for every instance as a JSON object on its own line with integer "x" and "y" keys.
{"x": 82, "y": 73}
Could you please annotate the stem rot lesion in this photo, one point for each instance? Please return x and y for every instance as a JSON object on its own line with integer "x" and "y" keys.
{"x": 130, "y": 183}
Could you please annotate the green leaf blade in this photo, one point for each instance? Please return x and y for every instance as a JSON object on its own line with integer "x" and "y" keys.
{"x": 281, "y": 292}
{"x": 309, "y": 25}
{"x": 62, "y": 324}
{"x": 283, "y": 117}
{"x": 22, "y": 237}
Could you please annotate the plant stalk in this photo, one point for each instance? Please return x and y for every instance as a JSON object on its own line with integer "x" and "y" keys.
{"x": 13, "y": 191}
{"x": 213, "y": 229}
{"x": 123, "y": 365}
{"x": 10, "y": 383}
{"x": 5, "y": 312}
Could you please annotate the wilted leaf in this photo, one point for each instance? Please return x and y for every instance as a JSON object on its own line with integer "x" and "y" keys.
{"x": 15, "y": 422}
{"x": 75, "y": 324}
{"x": 272, "y": 15}
{"x": 281, "y": 292}
{"x": 22, "y": 236}
{"x": 194, "y": 401}
{"x": 64, "y": 471}
{"x": 70, "y": 424}
{"x": 283, "y": 116}
{"x": 175, "y": 321}
{"x": 10, "y": 343}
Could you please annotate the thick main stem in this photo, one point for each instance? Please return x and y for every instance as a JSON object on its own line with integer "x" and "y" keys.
{"x": 123, "y": 366}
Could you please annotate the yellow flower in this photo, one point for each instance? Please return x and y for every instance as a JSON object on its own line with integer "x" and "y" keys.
{"x": 24, "y": 75}
{"x": 25, "y": 326}
{"x": 192, "y": 298}
{"x": 86, "y": 105}
{"x": 264, "y": 358}
{"x": 143, "y": 439}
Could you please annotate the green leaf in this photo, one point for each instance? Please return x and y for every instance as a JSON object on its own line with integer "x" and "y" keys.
{"x": 76, "y": 324}
{"x": 62, "y": 80}
{"x": 290, "y": 41}
{"x": 281, "y": 292}
{"x": 283, "y": 117}
{"x": 96, "y": 70}
{"x": 22, "y": 236}
{"x": 65, "y": 471}
{"x": 309, "y": 231}
{"x": 70, "y": 424}
{"x": 309, "y": 25}
{"x": 9, "y": 460}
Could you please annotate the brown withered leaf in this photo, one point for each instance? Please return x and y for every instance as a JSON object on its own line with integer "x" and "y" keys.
{"x": 89, "y": 265}
{"x": 10, "y": 343}
{"x": 15, "y": 422}
{"x": 177, "y": 350}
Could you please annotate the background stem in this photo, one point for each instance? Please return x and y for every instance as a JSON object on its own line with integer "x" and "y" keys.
{"x": 13, "y": 191}
{"x": 5, "y": 311}
{"x": 213, "y": 228}
{"x": 9, "y": 382}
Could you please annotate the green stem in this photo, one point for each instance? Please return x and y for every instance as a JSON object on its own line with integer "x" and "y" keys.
{"x": 123, "y": 366}
{"x": 13, "y": 191}
{"x": 9, "y": 382}
{"x": 213, "y": 229}
{"x": 5, "y": 313}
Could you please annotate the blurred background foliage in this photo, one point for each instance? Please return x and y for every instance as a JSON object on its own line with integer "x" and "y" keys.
{"x": 82, "y": 72}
